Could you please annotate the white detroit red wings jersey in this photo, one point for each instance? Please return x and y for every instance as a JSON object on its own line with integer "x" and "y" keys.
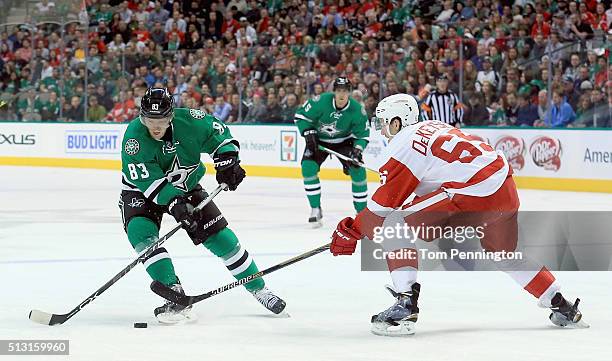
{"x": 431, "y": 155}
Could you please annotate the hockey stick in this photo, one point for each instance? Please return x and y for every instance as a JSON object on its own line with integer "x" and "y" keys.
{"x": 348, "y": 159}
{"x": 58, "y": 319}
{"x": 171, "y": 295}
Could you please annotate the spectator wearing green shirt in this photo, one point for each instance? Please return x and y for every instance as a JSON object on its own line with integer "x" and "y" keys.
{"x": 50, "y": 83}
{"x": 343, "y": 37}
{"x": 25, "y": 78}
{"x": 105, "y": 14}
{"x": 49, "y": 109}
{"x": 26, "y": 104}
{"x": 95, "y": 112}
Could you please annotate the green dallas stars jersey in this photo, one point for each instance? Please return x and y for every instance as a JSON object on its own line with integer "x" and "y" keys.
{"x": 334, "y": 125}
{"x": 164, "y": 169}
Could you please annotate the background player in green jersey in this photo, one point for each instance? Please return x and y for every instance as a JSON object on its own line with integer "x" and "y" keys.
{"x": 161, "y": 172}
{"x": 338, "y": 122}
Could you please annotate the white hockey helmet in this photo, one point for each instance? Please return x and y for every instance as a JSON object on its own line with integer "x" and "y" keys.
{"x": 402, "y": 106}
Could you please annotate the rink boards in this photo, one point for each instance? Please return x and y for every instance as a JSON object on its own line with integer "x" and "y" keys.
{"x": 558, "y": 159}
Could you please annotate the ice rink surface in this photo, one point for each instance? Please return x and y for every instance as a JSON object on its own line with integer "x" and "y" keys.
{"x": 61, "y": 238}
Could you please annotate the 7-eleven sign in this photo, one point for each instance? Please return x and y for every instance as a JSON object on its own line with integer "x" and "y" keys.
{"x": 288, "y": 145}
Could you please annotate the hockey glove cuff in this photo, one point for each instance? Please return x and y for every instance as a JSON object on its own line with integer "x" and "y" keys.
{"x": 344, "y": 238}
{"x": 357, "y": 155}
{"x": 183, "y": 212}
{"x": 312, "y": 143}
{"x": 229, "y": 170}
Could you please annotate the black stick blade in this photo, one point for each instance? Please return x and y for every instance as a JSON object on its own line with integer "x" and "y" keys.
{"x": 168, "y": 293}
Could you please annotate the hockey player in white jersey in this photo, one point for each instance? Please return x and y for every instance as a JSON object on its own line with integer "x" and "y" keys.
{"x": 458, "y": 180}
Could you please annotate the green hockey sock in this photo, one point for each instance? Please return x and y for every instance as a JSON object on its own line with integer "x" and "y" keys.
{"x": 312, "y": 184}
{"x": 359, "y": 185}
{"x": 224, "y": 244}
{"x": 142, "y": 232}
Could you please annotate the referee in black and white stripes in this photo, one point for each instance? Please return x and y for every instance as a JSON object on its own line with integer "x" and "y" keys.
{"x": 443, "y": 105}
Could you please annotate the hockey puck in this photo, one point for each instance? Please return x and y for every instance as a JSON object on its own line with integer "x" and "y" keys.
{"x": 140, "y": 325}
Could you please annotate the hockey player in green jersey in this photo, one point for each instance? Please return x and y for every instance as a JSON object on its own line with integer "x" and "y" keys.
{"x": 161, "y": 172}
{"x": 338, "y": 122}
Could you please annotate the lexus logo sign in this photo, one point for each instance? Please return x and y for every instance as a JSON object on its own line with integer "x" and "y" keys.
{"x": 17, "y": 139}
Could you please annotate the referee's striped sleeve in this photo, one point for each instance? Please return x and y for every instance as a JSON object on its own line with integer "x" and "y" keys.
{"x": 458, "y": 109}
{"x": 426, "y": 108}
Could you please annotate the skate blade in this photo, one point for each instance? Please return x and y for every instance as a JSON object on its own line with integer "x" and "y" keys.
{"x": 564, "y": 323}
{"x": 315, "y": 225}
{"x": 578, "y": 325}
{"x": 176, "y": 318}
{"x": 404, "y": 328}
{"x": 283, "y": 314}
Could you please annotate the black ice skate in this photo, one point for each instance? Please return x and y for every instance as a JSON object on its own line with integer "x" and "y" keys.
{"x": 269, "y": 300}
{"x": 172, "y": 313}
{"x": 315, "y": 217}
{"x": 399, "y": 319}
{"x": 566, "y": 314}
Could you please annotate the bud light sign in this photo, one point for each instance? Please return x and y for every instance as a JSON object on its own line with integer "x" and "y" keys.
{"x": 92, "y": 141}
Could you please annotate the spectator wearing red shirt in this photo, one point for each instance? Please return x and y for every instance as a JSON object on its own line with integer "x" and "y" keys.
{"x": 230, "y": 24}
{"x": 602, "y": 75}
{"x": 349, "y": 10}
{"x": 374, "y": 27}
{"x": 94, "y": 40}
{"x": 142, "y": 34}
{"x": 370, "y": 5}
{"x": 123, "y": 111}
{"x": 500, "y": 39}
{"x": 132, "y": 5}
{"x": 175, "y": 30}
{"x": 601, "y": 20}
{"x": 264, "y": 22}
{"x": 451, "y": 35}
{"x": 540, "y": 26}
{"x": 587, "y": 16}
{"x": 5, "y": 53}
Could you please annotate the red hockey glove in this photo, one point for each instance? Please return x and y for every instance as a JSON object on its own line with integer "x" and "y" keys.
{"x": 344, "y": 238}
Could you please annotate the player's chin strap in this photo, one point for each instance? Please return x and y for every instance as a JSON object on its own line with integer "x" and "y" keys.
{"x": 50, "y": 319}
{"x": 346, "y": 158}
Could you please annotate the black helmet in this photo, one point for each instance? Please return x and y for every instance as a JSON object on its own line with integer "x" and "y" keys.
{"x": 342, "y": 82}
{"x": 157, "y": 103}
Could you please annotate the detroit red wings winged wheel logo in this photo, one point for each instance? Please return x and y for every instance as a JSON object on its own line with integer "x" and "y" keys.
{"x": 546, "y": 153}
{"x": 514, "y": 150}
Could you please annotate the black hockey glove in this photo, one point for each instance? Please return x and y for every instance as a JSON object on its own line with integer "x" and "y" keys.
{"x": 184, "y": 213}
{"x": 312, "y": 143}
{"x": 229, "y": 170}
{"x": 356, "y": 155}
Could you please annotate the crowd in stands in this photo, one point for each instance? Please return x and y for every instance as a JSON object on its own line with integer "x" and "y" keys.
{"x": 516, "y": 63}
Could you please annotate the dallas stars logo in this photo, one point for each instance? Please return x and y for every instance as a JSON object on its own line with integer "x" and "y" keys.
{"x": 136, "y": 202}
{"x": 178, "y": 174}
{"x": 329, "y": 129}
